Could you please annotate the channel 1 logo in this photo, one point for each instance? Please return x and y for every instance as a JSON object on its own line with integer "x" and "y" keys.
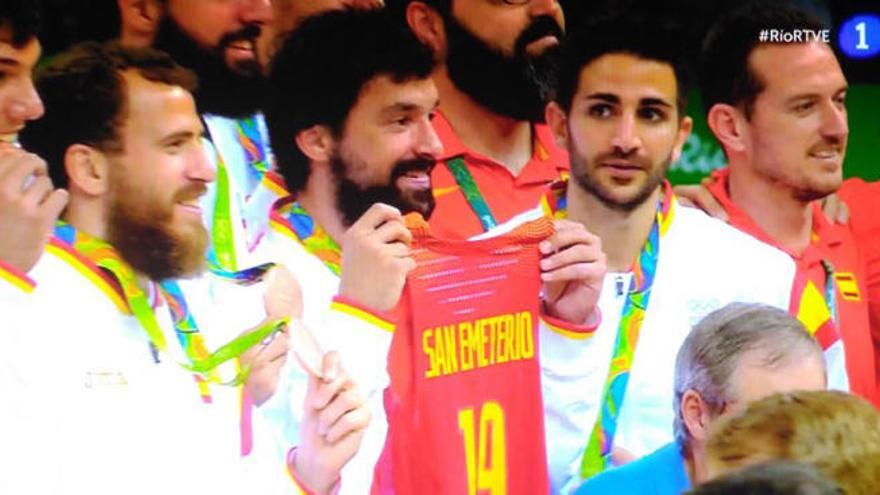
{"x": 860, "y": 36}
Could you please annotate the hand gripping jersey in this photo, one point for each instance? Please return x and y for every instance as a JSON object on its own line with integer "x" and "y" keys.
{"x": 464, "y": 407}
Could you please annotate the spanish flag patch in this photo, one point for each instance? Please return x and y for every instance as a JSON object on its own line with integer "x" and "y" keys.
{"x": 848, "y": 286}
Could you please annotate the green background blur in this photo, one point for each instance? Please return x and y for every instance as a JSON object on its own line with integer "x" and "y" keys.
{"x": 702, "y": 153}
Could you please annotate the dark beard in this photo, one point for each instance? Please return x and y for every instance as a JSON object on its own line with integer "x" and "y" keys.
{"x": 353, "y": 201}
{"x": 585, "y": 181}
{"x": 518, "y": 86}
{"x": 142, "y": 239}
{"x": 221, "y": 90}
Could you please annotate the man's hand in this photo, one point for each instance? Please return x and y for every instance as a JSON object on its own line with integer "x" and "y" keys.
{"x": 29, "y": 206}
{"x": 836, "y": 211}
{"x": 333, "y": 425}
{"x": 376, "y": 258}
{"x": 265, "y": 361}
{"x": 699, "y": 196}
{"x": 282, "y": 298}
{"x": 572, "y": 269}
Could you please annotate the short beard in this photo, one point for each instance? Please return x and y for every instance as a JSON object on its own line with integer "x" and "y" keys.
{"x": 814, "y": 192}
{"x": 222, "y": 90}
{"x": 353, "y": 201}
{"x": 515, "y": 86}
{"x": 807, "y": 195}
{"x": 145, "y": 241}
{"x": 586, "y": 181}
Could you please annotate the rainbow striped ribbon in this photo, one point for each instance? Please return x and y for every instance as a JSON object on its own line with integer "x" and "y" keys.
{"x": 221, "y": 256}
{"x": 107, "y": 258}
{"x": 191, "y": 340}
{"x": 246, "y": 277}
{"x": 104, "y": 256}
{"x": 597, "y": 455}
{"x": 311, "y": 235}
{"x": 251, "y": 141}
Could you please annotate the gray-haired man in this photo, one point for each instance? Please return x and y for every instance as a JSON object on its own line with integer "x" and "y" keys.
{"x": 735, "y": 355}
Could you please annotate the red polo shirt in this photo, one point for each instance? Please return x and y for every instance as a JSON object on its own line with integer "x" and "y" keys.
{"x": 506, "y": 195}
{"x": 863, "y": 199}
{"x": 832, "y": 244}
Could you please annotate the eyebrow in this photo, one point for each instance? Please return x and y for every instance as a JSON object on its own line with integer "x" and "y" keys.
{"x": 606, "y": 97}
{"x": 400, "y": 107}
{"x": 181, "y": 135}
{"x": 9, "y": 62}
{"x": 655, "y": 102}
{"x": 405, "y": 107}
{"x": 806, "y": 96}
{"x": 612, "y": 98}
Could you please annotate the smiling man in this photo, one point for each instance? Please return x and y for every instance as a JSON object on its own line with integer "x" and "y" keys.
{"x": 29, "y": 204}
{"x": 355, "y": 144}
{"x": 127, "y": 359}
{"x": 355, "y": 141}
{"x": 620, "y": 114}
{"x": 494, "y": 76}
{"x": 218, "y": 41}
{"x": 779, "y": 112}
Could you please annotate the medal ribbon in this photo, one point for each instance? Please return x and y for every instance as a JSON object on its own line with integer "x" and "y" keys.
{"x": 830, "y": 295}
{"x": 104, "y": 256}
{"x": 251, "y": 141}
{"x": 222, "y": 254}
{"x": 598, "y": 452}
{"x": 311, "y": 235}
{"x": 471, "y": 192}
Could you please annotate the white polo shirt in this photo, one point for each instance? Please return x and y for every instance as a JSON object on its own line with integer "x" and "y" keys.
{"x": 89, "y": 407}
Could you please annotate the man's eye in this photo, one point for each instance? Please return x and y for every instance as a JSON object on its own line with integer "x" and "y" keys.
{"x": 803, "y": 107}
{"x": 176, "y": 144}
{"x": 652, "y": 114}
{"x": 600, "y": 111}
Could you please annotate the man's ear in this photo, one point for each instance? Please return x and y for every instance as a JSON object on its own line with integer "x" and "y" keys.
{"x": 557, "y": 120}
{"x": 317, "y": 143}
{"x": 684, "y": 130}
{"x": 427, "y": 25}
{"x": 728, "y": 124}
{"x": 696, "y": 414}
{"x": 140, "y": 17}
{"x": 88, "y": 170}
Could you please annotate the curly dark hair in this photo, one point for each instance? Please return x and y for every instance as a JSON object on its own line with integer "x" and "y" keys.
{"x": 319, "y": 71}
{"x": 626, "y": 32}
{"x": 84, "y": 94}
{"x": 22, "y": 17}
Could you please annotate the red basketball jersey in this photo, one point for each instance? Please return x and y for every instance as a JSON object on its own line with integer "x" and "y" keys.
{"x": 464, "y": 406}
